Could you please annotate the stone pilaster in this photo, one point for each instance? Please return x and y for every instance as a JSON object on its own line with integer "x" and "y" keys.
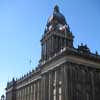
{"x": 57, "y": 84}
{"x": 50, "y": 85}
{"x": 65, "y": 82}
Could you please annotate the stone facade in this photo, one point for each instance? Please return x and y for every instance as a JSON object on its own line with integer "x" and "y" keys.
{"x": 64, "y": 72}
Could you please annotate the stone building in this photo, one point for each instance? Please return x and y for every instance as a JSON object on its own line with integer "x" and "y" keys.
{"x": 64, "y": 72}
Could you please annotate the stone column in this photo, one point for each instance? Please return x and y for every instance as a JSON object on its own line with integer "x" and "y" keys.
{"x": 50, "y": 85}
{"x": 42, "y": 51}
{"x": 65, "y": 82}
{"x": 46, "y": 86}
{"x": 61, "y": 43}
{"x": 57, "y": 84}
{"x": 43, "y": 83}
{"x": 92, "y": 83}
{"x": 34, "y": 90}
{"x": 40, "y": 89}
{"x": 48, "y": 46}
{"x": 56, "y": 44}
{"x": 52, "y": 45}
{"x": 69, "y": 82}
{"x": 46, "y": 49}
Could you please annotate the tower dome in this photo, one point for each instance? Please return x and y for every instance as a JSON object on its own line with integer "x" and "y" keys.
{"x": 57, "y": 20}
{"x": 57, "y": 16}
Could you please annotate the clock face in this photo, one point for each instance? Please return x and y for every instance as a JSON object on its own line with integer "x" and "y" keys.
{"x": 57, "y": 27}
{"x": 50, "y": 27}
{"x": 60, "y": 26}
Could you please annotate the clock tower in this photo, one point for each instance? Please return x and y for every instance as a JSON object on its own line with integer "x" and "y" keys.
{"x": 57, "y": 35}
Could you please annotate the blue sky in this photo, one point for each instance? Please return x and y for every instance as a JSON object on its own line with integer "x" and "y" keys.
{"x": 22, "y": 24}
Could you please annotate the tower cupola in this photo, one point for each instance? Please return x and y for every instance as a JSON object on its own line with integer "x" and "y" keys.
{"x": 56, "y": 20}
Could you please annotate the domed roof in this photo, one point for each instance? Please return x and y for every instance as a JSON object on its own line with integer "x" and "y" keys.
{"x": 57, "y": 16}
{"x": 56, "y": 22}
